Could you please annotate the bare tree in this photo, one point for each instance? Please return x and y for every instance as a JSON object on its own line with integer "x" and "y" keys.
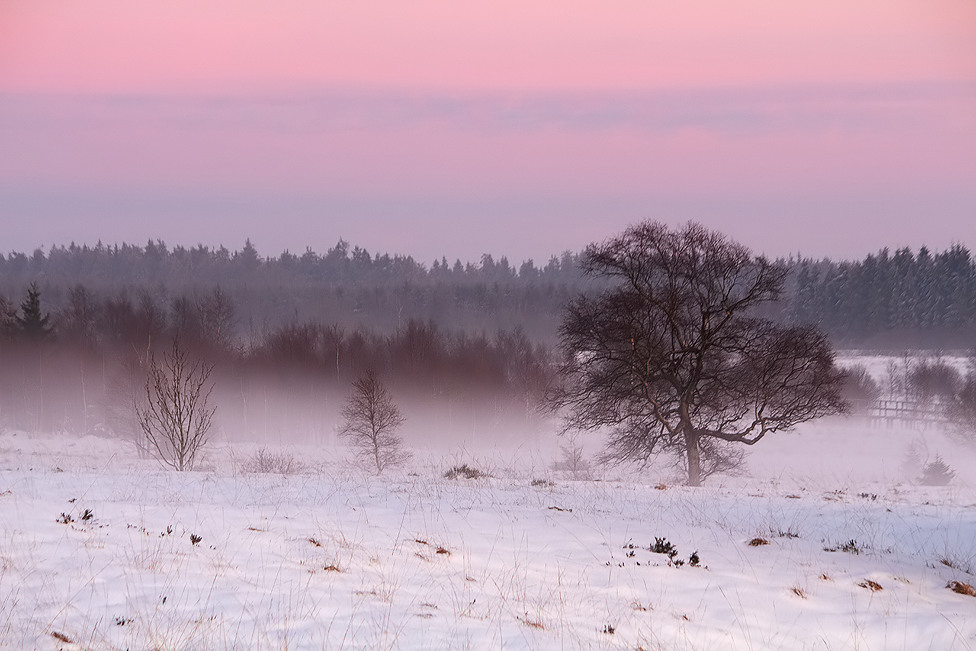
{"x": 372, "y": 420}
{"x": 672, "y": 358}
{"x": 176, "y": 416}
{"x": 217, "y": 320}
{"x": 962, "y": 407}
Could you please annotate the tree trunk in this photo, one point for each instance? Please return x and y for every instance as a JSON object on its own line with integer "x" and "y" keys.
{"x": 376, "y": 451}
{"x": 694, "y": 456}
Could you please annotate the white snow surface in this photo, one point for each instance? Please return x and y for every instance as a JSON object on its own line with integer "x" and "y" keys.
{"x": 332, "y": 557}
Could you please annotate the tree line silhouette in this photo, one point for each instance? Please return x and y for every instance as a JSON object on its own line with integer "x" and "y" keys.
{"x": 345, "y": 285}
{"x": 84, "y": 366}
{"x": 890, "y": 299}
{"x": 466, "y": 344}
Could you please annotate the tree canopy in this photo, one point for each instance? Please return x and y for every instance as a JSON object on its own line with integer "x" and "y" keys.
{"x": 672, "y": 357}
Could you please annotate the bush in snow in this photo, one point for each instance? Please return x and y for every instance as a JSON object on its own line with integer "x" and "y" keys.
{"x": 465, "y": 471}
{"x": 265, "y": 461}
{"x": 937, "y": 473}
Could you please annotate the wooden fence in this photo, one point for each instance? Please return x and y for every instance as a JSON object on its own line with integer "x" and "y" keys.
{"x": 901, "y": 413}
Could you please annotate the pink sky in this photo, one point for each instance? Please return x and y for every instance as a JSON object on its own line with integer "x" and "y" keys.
{"x": 519, "y": 128}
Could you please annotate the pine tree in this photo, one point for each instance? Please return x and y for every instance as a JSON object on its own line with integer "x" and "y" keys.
{"x": 8, "y": 319}
{"x": 33, "y": 324}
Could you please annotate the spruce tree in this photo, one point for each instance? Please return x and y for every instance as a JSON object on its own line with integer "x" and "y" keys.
{"x": 8, "y": 319}
{"x": 32, "y": 323}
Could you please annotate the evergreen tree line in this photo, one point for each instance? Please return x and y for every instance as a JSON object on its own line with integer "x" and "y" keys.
{"x": 346, "y": 285}
{"x": 887, "y": 300}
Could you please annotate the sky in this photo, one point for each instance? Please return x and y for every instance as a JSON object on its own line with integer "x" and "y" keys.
{"x": 440, "y": 128}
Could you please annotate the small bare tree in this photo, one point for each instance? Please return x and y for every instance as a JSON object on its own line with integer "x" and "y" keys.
{"x": 216, "y": 314}
{"x": 372, "y": 421}
{"x": 176, "y": 416}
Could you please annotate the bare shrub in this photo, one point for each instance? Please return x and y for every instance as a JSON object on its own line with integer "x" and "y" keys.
{"x": 268, "y": 462}
{"x": 464, "y": 471}
{"x": 572, "y": 459}
{"x": 859, "y": 389}
{"x": 934, "y": 380}
{"x": 851, "y": 547}
{"x": 176, "y": 417}
{"x": 957, "y": 562}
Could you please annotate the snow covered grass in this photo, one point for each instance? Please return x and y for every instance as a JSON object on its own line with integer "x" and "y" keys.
{"x": 330, "y": 557}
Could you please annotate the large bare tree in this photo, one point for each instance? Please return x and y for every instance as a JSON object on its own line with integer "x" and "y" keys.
{"x": 372, "y": 420}
{"x": 672, "y": 356}
{"x": 176, "y": 416}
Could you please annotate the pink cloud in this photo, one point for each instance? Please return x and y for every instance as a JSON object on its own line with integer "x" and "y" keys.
{"x": 750, "y": 141}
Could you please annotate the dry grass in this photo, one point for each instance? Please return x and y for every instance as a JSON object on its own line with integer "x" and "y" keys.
{"x": 61, "y": 637}
{"x": 464, "y": 471}
{"x": 961, "y": 588}
{"x": 531, "y": 622}
{"x": 265, "y": 461}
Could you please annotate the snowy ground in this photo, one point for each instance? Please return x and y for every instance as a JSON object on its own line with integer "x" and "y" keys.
{"x": 332, "y": 558}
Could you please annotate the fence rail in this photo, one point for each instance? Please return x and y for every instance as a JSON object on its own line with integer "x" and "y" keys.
{"x": 911, "y": 413}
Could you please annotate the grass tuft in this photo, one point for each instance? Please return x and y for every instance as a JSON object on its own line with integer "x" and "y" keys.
{"x": 961, "y": 588}
{"x": 464, "y": 471}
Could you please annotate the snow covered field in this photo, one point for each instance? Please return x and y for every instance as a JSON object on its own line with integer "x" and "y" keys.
{"x": 854, "y": 555}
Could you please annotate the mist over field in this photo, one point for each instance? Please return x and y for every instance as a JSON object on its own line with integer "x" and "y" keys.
{"x": 494, "y": 527}
{"x": 516, "y": 325}
{"x": 469, "y": 348}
